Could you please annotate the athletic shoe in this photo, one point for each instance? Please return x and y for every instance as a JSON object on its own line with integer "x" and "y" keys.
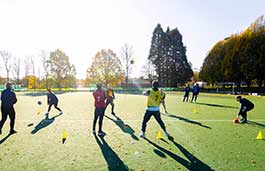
{"x": 142, "y": 135}
{"x": 101, "y": 134}
{"x": 12, "y": 132}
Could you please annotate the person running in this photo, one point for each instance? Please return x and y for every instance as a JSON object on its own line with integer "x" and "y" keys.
{"x": 246, "y": 106}
{"x": 153, "y": 103}
{"x": 163, "y": 101}
{"x": 195, "y": 92}
{"x": 52, "y": 100}
{"x": 187, "y": 93}
{"x": 100, "y": 106}
{"x": 8, "y": 98}
{"x": 110, "y": 99}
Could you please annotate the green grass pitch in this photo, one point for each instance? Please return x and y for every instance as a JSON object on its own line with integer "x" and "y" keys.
{"x": 204, "y": 140}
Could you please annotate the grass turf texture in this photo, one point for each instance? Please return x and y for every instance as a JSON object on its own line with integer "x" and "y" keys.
{"x": 206, "y": 140}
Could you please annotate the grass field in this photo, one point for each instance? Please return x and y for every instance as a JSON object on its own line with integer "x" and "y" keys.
{"x": 206, "y": 140}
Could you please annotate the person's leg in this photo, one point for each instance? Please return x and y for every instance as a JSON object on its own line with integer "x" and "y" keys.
{"x": 157, "y": 116}
{"x": 147, "y": 117}
{"x": 12, "y": 116}
{"x": 101, "y": 116}
{"x": 196, "y": 95}
{"x": 244, "y": 116}
{"x": 95, "y": 119}
{"x": 112, "y": 107}
{"x": 192, "y": 97}
{"x": 3, "y": 120}
{"x": 187, "y": 98}
{"x": 56, "y": 107}
{"x": 49, "y": 108}
{"x": 184, "y": 98}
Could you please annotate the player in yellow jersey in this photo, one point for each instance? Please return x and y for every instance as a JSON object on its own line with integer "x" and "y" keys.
{"x": 153, "y": 102}
{"x": 110, "y": 99}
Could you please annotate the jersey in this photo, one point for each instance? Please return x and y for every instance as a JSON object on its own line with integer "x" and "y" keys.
{"x": 99, "y": 97}
{"x": 154, "y": 98}
{"x": 110, "y": 94}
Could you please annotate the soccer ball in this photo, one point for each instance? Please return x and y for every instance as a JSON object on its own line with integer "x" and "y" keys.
{"x": 39, "y": 102}
{"x": 132, "y": 62}
{"x": 236, "y": 120}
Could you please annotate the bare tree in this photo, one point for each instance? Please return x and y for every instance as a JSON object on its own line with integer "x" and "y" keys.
{"x": 46, "y": 65}
{"x": 149, "y": 71}
{"x": 127, "y": 59}
{"x": 27, "y": 65}
{"x": 6, "y": 56}
{"x": 16, "y": 68}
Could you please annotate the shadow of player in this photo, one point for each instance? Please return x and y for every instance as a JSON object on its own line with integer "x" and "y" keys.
{"x": 112, "y": 159}
{"x": 216, "y": 105}
{"x": 256, "y": 124}
{"x": 44, "y": 123}
{"x": 124, "y": 127}
{"x": 5, "y": 138}
{"x": 187, "y": 120}
{"x": 193, "y": 163}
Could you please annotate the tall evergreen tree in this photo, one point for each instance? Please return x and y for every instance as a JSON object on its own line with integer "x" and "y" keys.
{"x": 168, "y": 54}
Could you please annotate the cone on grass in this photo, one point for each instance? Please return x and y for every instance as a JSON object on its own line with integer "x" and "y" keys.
{"x": 64, "y": 137}
{"x": 259, "y": 137}
{"x": 195, "y": 110}
{"x": 159, "y": 135}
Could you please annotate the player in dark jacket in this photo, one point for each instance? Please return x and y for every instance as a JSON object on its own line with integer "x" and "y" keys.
{"x": 246, "y": 106}
{"x": 187, "y": 93}
{"x": 52, "y": 100}
{"x": 195, "y": 92}
{"x": 8, "y": 98}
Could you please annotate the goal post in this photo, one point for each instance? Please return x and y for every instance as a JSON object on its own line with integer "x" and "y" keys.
{"x": 223, "y": 84}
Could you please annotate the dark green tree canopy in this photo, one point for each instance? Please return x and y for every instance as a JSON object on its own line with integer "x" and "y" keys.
{"x": 168, "y": 54}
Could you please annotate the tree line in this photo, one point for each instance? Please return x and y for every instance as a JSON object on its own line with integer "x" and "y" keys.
{"x": 239, "y": 58}
{"x": 47, "y": 70}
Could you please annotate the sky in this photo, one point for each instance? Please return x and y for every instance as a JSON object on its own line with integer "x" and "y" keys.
{"x": 80, "y": 28}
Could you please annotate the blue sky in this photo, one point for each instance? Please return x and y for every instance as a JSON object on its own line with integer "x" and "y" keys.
{"x": 81, "y": 27}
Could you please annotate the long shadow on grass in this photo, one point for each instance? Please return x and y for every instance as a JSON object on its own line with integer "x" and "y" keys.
{"x": 193, "y": 163}
{"x": 5, "y": 138}
{"x": 187, "y": 120}
{"x": 44, "y": 123}
{"x": 256, "y": 124}
{"x": 112, "y": 159}
{"x": 124, "y": 127}
{"x": 216, "y": 105}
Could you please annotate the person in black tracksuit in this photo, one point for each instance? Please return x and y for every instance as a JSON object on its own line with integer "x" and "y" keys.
{"x": 187, "y": 92}
{"x": 246, "y": 106}
{"x": 52, "y": 100}
{"x": 8, "y": 98}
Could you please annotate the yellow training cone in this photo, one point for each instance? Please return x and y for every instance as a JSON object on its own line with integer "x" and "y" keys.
{"x": 195, "y": 110}
{"x": 38, "y": 111}
{"x": 64, "y": 137}
{"x": 159, "y": 135}
{"x": 259, "y": 137}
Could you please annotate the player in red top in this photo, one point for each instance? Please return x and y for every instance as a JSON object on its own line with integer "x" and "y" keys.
{"x": 100, "y": 105}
